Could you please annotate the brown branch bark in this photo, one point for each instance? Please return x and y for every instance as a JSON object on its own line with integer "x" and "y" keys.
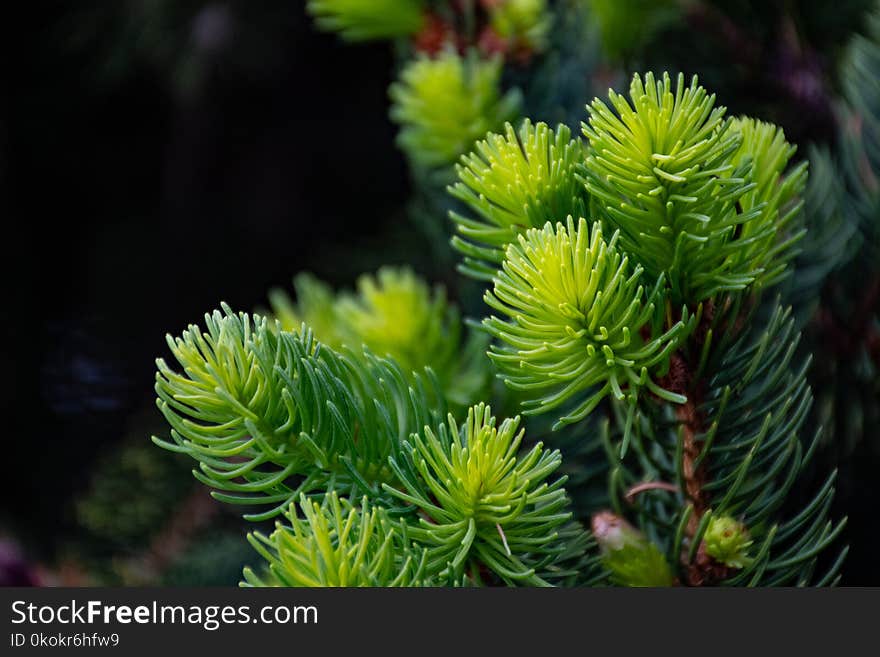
{"x": 704, "y": 570}
{"x": 694, "y": 476}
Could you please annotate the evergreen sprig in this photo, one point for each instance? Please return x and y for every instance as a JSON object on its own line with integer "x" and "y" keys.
{"x": 580, "y": 325}
{"x": 515, "y": 181}
{"x": 315, "y": 306}
{"x": 779, "y": 196}
{"x": 484, "y": 503}
{"x": 521, "y": 24}
{"x": 757, "y": 448}
{"x": 335, "y": 543}
{"x": 270, "y": 415}
{"x": 367, "y": 20}
{"x": 663, "y": 168}
{"x": 444, "y": 104}
{"x": 737, "y": 454}
{"x": 393, "y": 313}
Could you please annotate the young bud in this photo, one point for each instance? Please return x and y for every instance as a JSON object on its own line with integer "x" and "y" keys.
{"x": 632, "y": 559}
{"x": 446, "y": 103}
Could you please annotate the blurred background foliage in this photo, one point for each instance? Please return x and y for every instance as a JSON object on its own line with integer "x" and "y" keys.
{"x": 160, "y": 156}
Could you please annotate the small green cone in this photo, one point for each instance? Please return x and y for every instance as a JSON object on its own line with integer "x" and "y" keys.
{"x": 727, "y": 541}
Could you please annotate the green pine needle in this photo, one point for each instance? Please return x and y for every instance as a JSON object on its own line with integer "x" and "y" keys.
{"x": 443, "y": 105}
{"x": 513, "y": 182}
{"x": 485, "y": 503}
{"x": 269, "y": 415}
{"x": 335, "y": 543}
{"x": 580, "y": 325}
{"x": 667, "y": 170}
{"x": 368, "y": 20}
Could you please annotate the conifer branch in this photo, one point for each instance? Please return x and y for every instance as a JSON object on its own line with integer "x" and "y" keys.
{"x": 674, "y": 383}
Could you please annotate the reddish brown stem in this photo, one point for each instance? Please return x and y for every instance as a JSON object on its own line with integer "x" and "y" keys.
{"x": 703, "y": 570}
{"x": 694, "y": 476}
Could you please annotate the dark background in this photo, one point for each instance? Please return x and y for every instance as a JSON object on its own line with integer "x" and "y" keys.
{"x": 140, "y": 200}
{"x": 158, "y": 158}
